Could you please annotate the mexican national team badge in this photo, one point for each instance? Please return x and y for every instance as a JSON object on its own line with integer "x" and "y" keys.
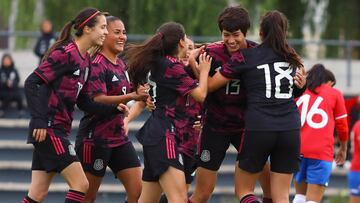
{"x": 72, "y": 150}
{"x": 98, "y": 164}
{"x": 205, "y": 155}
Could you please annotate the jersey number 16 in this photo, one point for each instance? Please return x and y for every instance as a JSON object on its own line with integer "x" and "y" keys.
{"x": 308, "y": 113}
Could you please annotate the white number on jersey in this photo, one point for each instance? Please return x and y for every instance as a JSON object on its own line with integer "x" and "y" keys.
{"x": 233, "y": 87}
{"x": 281, "y": 75}
{"x": 308, "y": 114}
{"x": 153, "y": 88}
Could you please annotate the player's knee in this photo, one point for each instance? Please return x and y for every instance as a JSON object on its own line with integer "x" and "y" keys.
{"x": 204, "y": 195}
{"x": 90, "y": 198}
{"x": 38, "y": 196}
{"x": 80, "y": 185}
{"x": 133, "y": 195}
{"x": 183, "y": 198}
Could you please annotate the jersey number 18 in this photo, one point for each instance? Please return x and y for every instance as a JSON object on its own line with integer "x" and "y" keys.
{"x": 281, "y": 75}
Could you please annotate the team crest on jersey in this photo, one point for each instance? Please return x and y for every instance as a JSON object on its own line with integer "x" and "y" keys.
{"x": 114, "y": 79}
{"x": 205, "y": 155}
{"x": 181, "y": 159}
{"x": 72, "y": 150}
{"x": 98, "y": 164}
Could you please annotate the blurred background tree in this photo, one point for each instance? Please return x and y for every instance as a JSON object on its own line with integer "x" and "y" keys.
{"x": 309, "y": 19}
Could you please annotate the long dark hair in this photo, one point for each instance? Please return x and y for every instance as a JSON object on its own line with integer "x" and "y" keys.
{"x": 274, "y": 27}
{"x": 86, "y": 17}
{"x": 144, "y": 57}
{"x": 317, "y": 76}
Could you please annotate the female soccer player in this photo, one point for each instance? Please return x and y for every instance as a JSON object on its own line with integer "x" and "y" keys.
{"x": 101, "y": 140}
{"x": 51, "y": 92}
{"x": 159, "y": 56}
{"x": 354, "y": 174}
{"x": 322, "y": 108}
{"x": 272, "y": 121}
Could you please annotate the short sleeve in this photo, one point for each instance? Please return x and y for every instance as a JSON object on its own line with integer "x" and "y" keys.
{"x": 234, "y": 67}
{"x": 56, "y": 65}
{"x": 178, "y": 79}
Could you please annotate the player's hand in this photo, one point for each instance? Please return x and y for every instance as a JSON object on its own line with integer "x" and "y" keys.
{"x": 204, "y": 62}
{"x": 150, "y": 105}
{"x": 340, "y": 156}
{"x": 300, "y": 78}
{"x": 142, "y": 93}
{"x": 39, "y": 134}
{"x": 196, "y": 52}
{"x": 123, "y": 108}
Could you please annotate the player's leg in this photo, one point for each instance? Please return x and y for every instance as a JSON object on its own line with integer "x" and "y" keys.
{"x": 77, "y": 181}
{"x": 280, "y": 186}
{"x": 354, "y": 185}
{"x": 151, "y": 192}
{"x": 300, "y": 188}
{"x": 94, "y": 184}
{"x": 252, "y": 157}
{"x": 125, "y": 163}
{"x": 212, "y": 150}
{"x": 40, "y": 177}
{"x": 284, "y": 160}
{"x": 163, "y": 166}
{"x": 94, "y": 160}
{"x": 299, "y": 182}
{"x": 264, "y": 181}
{"x": 174, "y": 186}
{"x": 264, "y": 178}
{"x": 205, "y": 181}
{"x": 73, "y": 173}
{"x": 318, "y": 176}
{"x": 39, "y": 187}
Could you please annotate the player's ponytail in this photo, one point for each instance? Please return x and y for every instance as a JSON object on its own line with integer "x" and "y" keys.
{"x": 86, "y": 17}
{"x": 273, "y": 29}
{"x": 144, "y": 57}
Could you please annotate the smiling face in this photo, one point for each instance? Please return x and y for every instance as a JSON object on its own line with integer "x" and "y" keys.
{"x": 115, "y": 40}
{"x": 99, "y": 31}
{"x": 233, "y": 40}
{"x": 191, "y": 46}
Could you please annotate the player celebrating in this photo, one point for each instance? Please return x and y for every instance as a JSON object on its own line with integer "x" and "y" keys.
{"x": 272, "y": 121}
{"x": 322, "y": 108}
{"x": 159, "y": 56}
{"x": 223, "y": 118}
{"x": 51, "y": 92}
{"x": 101, "y": 140}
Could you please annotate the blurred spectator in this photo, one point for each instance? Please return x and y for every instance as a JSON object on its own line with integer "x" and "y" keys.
{"x": 46, "y": 39}
{"x": 353, "y": 110}
{"x": 9, "y": 85}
